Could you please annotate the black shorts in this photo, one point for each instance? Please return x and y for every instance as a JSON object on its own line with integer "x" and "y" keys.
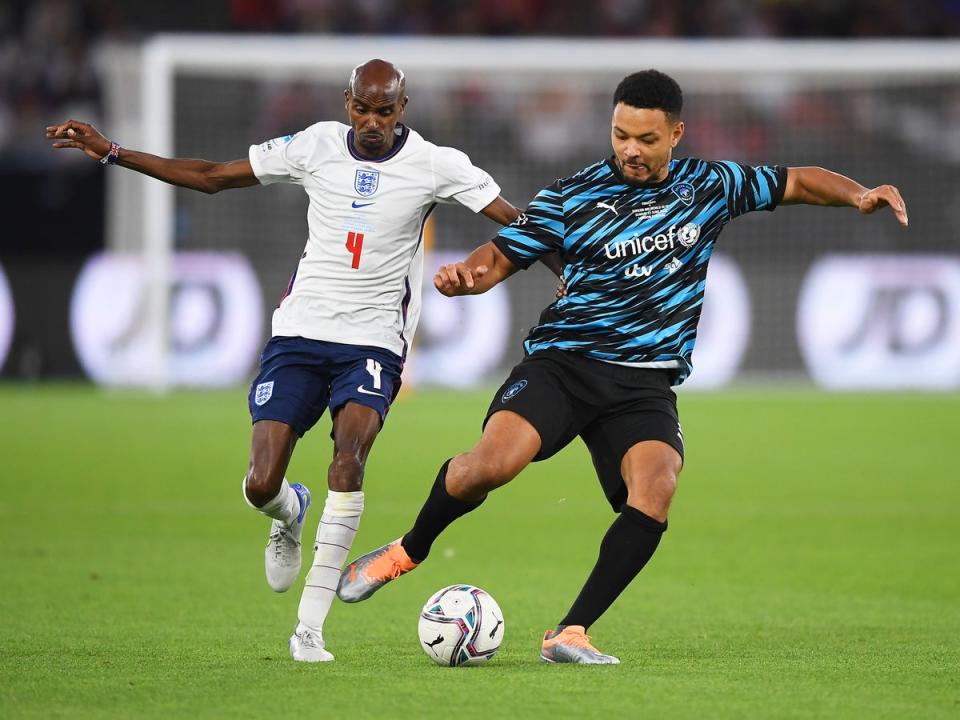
{"x": 611, "y": 407}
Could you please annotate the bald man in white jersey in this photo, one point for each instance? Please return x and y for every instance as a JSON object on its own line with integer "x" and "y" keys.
{"x": 346, "y": 320}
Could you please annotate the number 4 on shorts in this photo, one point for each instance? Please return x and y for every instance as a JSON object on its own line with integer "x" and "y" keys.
{"x": 355, "y": 246}
{"x": 374, "y": 368}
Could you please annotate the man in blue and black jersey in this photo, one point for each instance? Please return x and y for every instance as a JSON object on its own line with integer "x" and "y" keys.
{"x": 635, "y": 232}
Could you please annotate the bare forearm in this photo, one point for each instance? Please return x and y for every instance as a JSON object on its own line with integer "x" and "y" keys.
{"x": 481, "y": 270}
{"x": 498, "y": 268}
{"x": 817, "y": 186}
{"x": 202, "y": 175}
{"x": 501, "y": 211}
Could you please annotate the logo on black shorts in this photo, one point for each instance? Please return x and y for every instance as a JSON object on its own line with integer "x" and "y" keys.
{"x": 513, "y": 390}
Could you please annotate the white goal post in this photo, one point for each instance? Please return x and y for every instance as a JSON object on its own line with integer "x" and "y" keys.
{"x": 443, "y": 63}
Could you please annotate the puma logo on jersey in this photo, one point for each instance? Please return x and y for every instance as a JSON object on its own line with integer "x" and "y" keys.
{"x": 608, "y": 206}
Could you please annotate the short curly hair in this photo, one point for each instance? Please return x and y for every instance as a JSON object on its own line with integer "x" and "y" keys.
{"x": 650, "y": 89}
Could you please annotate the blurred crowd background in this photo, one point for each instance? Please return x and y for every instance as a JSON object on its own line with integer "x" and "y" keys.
{"x": 46, "y": 68}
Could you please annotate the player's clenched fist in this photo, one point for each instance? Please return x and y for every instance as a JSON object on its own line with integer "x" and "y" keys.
{"x": 457, "y": 278}
{"x": 883, "y": 196}
{"x": 79, "y": 135}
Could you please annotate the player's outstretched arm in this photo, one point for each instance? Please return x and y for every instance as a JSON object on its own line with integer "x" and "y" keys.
{"x": 202, "y": 175}
{"x": 816, "y": 186}
{"x": 503, "y": 212}
{"x": 484, "y": 267}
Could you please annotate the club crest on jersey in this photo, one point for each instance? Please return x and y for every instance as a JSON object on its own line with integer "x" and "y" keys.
{"x": 264, "y": 392}
{"x": 513, "y": 390}
{"x": 366, "y": 182}
{"x": 684, "y": 191}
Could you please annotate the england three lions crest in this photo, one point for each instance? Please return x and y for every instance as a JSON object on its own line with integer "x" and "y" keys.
{"x": 366, "y": 182}
{"x": 263, "y": 393}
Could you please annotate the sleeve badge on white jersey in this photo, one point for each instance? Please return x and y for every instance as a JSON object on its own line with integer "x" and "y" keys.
{"x": 277, "y": 142}
{"x": 366, "y": 182}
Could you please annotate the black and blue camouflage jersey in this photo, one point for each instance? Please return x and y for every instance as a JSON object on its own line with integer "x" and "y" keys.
{"x": 635, "y": 256}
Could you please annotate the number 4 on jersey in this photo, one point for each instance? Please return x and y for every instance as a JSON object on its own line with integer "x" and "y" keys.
{"x": 355, "y": 247}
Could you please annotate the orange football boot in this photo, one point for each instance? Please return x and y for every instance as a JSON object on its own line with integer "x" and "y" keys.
{"x": 572, "y": 645}
{"x": 370, "y": 572}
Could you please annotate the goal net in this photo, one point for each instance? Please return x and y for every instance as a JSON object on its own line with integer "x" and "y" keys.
{"x": 793, "y": 294}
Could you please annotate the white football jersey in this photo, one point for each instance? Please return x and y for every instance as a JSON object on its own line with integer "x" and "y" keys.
{"x": 359, "y": 279}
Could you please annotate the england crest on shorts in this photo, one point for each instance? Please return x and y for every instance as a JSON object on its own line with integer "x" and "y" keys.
{"x": 684, "y": 191}
{"x": 366, "y": 182}
{"x": 263, "y": 393}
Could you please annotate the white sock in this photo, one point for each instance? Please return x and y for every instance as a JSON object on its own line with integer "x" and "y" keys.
{"x": 285, "y": 507}
{"x": 338, "y": 527}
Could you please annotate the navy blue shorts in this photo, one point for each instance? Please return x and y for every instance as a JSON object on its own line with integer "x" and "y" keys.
{"x": 300, "y": 378}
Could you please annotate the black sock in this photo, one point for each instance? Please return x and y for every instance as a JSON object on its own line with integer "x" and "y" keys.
{"x": 437, "y": 512}
{"x": 628, "y": 545}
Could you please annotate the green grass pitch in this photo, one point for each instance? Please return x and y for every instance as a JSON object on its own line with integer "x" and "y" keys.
{"x": 810, "y": 569}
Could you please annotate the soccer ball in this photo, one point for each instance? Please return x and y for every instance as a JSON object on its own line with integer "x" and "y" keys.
{"x": 460, "y": 625}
